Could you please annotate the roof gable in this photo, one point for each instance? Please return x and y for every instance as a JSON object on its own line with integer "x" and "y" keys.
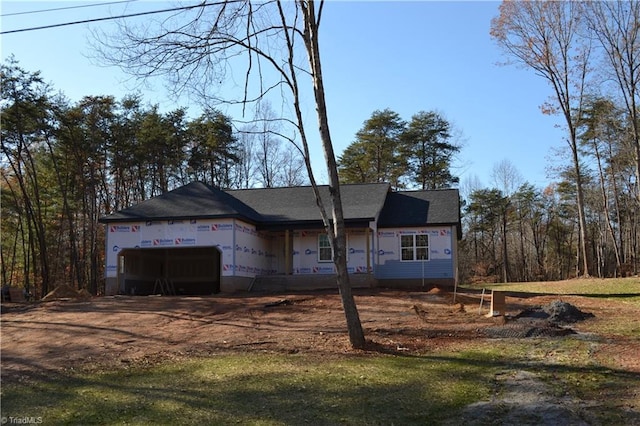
{"x": 418, "y": 208}
{"x": 194, "y": 200}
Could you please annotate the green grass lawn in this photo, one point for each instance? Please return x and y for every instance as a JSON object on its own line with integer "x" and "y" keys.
{"x": 260, "y": 389}
{"x": 294, "y": 389}
{"x": 583, "y": 286}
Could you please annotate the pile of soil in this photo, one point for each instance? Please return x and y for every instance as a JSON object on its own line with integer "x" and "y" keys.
{"x": 65, "y": 291}
{"x": 84, "y": 294}
{"x": 542, "y": 321}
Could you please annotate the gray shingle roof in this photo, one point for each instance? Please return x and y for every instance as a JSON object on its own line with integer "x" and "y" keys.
{"x": 416, "y": 208}
{"x": 194, "y": 200}
{"x": 295, "y": 206}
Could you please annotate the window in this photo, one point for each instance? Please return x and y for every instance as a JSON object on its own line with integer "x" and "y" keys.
{"x": 414, "y": 247}
{"x": 325, "y": 252}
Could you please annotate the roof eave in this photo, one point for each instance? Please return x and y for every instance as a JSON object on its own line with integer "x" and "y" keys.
{"x": 310, "y": 224}
{"x": 106, "y": 219}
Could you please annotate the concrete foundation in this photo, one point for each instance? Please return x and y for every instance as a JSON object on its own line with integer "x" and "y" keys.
{"x": 283, "y": 283}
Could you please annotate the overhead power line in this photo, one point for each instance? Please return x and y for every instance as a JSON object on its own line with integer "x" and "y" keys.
{"x": 109, "y": 18}
{"x": 29, "y": 12}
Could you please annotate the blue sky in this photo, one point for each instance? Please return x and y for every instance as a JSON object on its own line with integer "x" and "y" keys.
{"x": 406, "y": 56}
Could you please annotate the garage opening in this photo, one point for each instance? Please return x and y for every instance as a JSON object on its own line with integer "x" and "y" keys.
{"x": 168, "y": 271}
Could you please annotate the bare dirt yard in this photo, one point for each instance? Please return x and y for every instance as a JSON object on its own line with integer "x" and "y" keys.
{"x": 107, "y": 332}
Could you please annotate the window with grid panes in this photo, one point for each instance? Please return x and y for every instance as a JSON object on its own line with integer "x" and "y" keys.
{"x": 414, "y": 247}
{"x": 325, "y": 252}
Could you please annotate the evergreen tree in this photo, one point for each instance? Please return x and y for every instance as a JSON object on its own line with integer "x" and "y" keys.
{"x": 375, "y": 155}
{"x": 428, "y": 150}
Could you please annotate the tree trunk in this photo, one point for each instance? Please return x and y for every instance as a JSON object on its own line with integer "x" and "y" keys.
{"x": 337, "y": 235}
{"x": 582, "y": 223}
{"x": 505, "y": 251}
{"x": 605, "y": 203}
{"x": 523, "y": 261}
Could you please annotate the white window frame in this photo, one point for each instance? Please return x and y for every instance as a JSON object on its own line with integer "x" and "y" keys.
{"x": 322, "y": 238}
{"x": 325, "y": 236}
{"x": 415, "y": 249}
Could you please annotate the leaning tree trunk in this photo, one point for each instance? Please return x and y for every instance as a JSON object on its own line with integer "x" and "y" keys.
{"x": 336, "y": 232}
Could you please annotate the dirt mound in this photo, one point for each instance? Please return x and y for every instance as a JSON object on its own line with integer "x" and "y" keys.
{"x": 542, "y": 321}
{"x": 63, "y": 291}
{"x": 565, "y": 313}
{"x": 84, "y": 294}
{"x": 556, "y": 312}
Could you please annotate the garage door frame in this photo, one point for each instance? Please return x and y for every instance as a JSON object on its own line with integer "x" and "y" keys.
{"x": 190, "y": 270}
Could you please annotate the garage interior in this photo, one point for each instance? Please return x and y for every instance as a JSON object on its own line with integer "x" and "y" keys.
{"x": 186, "y": 271}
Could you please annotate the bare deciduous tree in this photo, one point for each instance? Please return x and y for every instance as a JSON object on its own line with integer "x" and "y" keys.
{"x": 276, "y": 160}
{"x": 266, "y": 43}
{"x": 544, "y": 36}
{"x": 506, "y": 177}
{"x": 616, "y": 25}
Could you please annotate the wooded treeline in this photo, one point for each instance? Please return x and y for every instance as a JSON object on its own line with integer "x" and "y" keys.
{"x": 531, "y": 234}
{"x": 64, "y": 165}
{"x": 512, "y": 230}
{"x": 587, "y": 223}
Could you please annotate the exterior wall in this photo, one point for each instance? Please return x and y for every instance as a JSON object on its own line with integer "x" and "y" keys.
{"x": 164, "y": 234}
{"x": 305, "y": 253}
{"x": 252, "y": 254}
{"x": 439, "y": 268}
{"x": 245, "y": 252}
{"x": 357, "y": 251}
{"x": 110, "y": 286}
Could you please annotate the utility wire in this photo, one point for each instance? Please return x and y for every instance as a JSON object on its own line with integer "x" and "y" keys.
{"x": 109, "y": 18}
{"x": 29, "y": 12}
